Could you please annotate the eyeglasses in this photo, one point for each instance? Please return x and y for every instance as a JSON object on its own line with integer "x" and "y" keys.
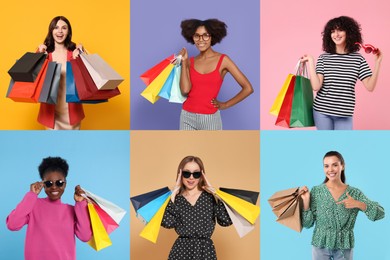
{"x": 368, "y": 48}
{"x": 204, "y": 36}
{"x": 58, "y": 183}
{"x": 187, "y": 174}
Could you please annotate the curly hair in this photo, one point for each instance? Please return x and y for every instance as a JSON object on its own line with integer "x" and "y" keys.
{"x": 344, "y": 23}
{"x": 342, "y": 162}
{"x": 199, "y": 162}
{"x": 53, "y": 164}
{"x": 215, "y": 27}
{"x": 49, "y": 40}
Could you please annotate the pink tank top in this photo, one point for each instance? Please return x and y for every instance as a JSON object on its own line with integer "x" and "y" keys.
{"x": 204, "y": 88}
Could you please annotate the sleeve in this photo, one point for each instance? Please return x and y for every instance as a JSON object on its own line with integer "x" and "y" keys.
{"x": 171, "y": 216}
{"x": 320, "y": 65}
{"x": 364, "y": 69}
{"x": 82, "y": 228}
{"x": 221, "y": 214}
{"x": 309, "y": 216}
{"x": 374, "y": 211}
{"x": 20, "y": 216}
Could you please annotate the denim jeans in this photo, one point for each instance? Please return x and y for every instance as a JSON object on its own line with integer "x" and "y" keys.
{"x": 329, "y": 254}
{"x": 327, "y": 122}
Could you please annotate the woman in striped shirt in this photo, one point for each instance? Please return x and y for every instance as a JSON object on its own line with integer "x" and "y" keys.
{"x": 336, "y": 73}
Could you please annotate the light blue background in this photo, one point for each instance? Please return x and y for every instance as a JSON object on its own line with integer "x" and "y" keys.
{"x": 98, "y": 161}
{"x": 156, "y": 34}
{"x": 295, "y": 159}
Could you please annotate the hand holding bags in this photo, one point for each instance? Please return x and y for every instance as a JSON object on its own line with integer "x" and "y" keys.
{"x": 294, "y": 103}
{"x": 27, "y": 68}
{"x": 286, "y": 205}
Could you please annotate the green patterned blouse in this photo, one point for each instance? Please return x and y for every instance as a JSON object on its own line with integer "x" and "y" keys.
{"x": 334, "y": 223}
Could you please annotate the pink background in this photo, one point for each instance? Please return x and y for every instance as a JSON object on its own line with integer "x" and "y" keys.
{"x": 291, "y": 29}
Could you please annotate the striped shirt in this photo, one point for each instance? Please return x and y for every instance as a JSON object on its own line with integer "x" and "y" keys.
{"x": 336, "y": 96}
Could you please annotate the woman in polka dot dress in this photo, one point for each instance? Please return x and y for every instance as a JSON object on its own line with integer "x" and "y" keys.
{"x": 333, "y": 207}
{"x": 192, "y": 212}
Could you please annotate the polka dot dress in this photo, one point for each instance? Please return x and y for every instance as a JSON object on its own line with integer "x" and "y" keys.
{"x": 194, "y": 225}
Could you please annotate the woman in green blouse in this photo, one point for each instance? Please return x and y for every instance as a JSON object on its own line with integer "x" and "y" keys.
{"x": 333, "y": 207}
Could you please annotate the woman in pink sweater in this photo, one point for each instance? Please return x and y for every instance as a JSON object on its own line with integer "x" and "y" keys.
{"x": 51, "y": 224}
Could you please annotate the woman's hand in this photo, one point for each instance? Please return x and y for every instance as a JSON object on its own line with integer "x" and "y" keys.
{"x": 218, "y": 104}
{"x": 77, "y": 51}
{"x": 36, "y": 187}
{"x": 183, "y": 52}
{"x": 351, "y": 203}
{"x": 208, "y": 187}
{"x": 379, "y": 56}
{"x": 77, "y": 193}
{"x": 305, "y": 197}
{"x": 42, "y": 48}
{"x": 307, "y": 58}
{"x": 176, "y": 189}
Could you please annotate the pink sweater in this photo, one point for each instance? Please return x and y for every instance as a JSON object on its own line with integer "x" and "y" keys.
{"x": 51, "y": 227}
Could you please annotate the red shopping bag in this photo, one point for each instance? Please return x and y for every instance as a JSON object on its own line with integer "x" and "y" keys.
{"x": 148, "y": 76}
{"x": 285, "y": 110}
{"x": 86, "y": 88}
{"x": 29, "y": 91}
{"x": 108, "y": 223}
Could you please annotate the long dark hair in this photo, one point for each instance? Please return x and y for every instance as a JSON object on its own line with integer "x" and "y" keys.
{"x": 49, "y": 40}
{"x": 341, "y": 159}
{"x": 344, "y": 23}
{"x": 199, "y": 162}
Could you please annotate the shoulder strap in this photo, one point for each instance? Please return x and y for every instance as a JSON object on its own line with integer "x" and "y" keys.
{"x": 220, "y": 61}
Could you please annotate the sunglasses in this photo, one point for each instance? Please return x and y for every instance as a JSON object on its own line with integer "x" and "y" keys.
{"x": 187, "y": 174}
{"x": 368, "y": 48}
{"x": 58, "y": 183}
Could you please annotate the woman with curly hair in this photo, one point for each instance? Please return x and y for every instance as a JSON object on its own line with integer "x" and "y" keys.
{"x": 60, "y": 48}
{"x": 193, "y": 212}
{"x": 202, "y": 76}
{"x": 51, "y": 224}
{"x": 333, "y": 207}
{"x": 336, "y": 74}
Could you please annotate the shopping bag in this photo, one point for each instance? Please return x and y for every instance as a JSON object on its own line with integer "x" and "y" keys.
{"x": 27, "y": 68}
{"x": 176, "y": 96}
{"x": 86, "y": 88}
{"x": 282, "y": 93}
{"x": 71, "y": 90}
{"x": 250, "y": 196}
{"x": 102, "y": 74}
{"x": 107, "y": 221}
{"x": 302, "y": 105}
{"x": 246, "y": 209}
{"x": 165, "y": 91}
{"x": 100, "y": 238}
{"x": 286, "y": 205}
{"x": 51, "y": 84}
{"x": 152, "y": 90}
{"x": 148, "y": 76}
{"x": 152, "y": 229}
{"x": 29, "y": 91}
{"x": 114, "y": 211}
{"x": 147, "y": 212}
{"x": 242, "y": 226}
{"x": 143, "y": 199}
{"x": 284, "y": 115}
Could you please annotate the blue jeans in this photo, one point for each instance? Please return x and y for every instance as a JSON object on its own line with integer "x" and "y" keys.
{"x": 329, "y": 254}
{"x": 327, "y": 122}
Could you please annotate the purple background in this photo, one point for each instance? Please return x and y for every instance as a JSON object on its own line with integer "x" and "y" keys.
{"x": 156, "y": 34}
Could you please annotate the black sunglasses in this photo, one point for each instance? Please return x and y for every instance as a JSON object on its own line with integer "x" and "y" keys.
{"x": 58, "y": 183}
{"x": 187, "y": 174}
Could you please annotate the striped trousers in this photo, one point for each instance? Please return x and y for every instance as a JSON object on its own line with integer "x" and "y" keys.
{"x": 194, "y": 121}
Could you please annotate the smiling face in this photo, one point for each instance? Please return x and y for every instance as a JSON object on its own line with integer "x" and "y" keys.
{"x": 333, "y": 168}
{"x": 54, "y": 192}
{"x": 202, "y": 39}
{"x": 191, "y": 183}
{"x": 60, "y": 32}
{"x": 339, "y": 37}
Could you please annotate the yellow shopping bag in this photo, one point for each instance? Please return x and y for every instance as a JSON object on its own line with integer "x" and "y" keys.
{"x": 151, "y": 230}
{"x": 153, "y": 89}
{"x": 100, "y": 238}
{"x": 246, "y": 209}
{"x": 279, "y": 99}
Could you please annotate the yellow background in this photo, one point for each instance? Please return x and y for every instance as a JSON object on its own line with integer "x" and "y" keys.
{"x": 102, "y": 27}
{"x": 231, "y": 160}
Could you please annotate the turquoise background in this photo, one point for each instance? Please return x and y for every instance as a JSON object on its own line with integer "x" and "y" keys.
{"x": 295, "y": 159}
